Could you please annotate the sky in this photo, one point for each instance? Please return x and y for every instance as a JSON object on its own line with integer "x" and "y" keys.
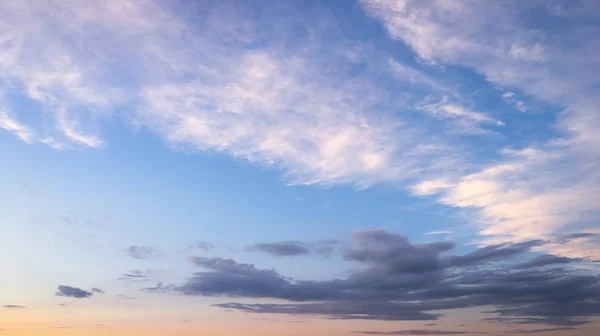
{"x": 313, "y": 168}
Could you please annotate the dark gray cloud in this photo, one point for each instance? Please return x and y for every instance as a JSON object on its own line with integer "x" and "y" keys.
{"x": 419, "y": 332}
{"x": 282, "y": 249}
{"x": 493, "y": 252}
{"x": 143, "y": 252}
{"x": 97, "y": 290}
{"x": 12, "y": 306}
{"x": 547, "y": 259}
{"x": 233, "y": 278}
{"x": 74, "y": 292}
{"x": 397, "y": 280}
{"x": 295, "y": 248}
{"x": 539, "y": 331}
{"x": 394, "y": 254}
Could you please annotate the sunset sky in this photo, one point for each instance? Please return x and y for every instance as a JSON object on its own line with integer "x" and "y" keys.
{"x": 299, "y": 168}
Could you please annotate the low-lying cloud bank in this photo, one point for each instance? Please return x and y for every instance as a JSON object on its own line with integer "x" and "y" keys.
{"x": 397, "y": 280}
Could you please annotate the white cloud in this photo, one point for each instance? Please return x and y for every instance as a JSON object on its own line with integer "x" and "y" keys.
{"x": 267, "y": 113}
{"x": 12, "y": 125}
{"x": 543, "y": 190}
{"x": 297, "y": 108}
{"x": 409, "y": 74}
{"x": 205, "y": 89}
{"x": 444, "y": 109}
{"x": 439, "y": 232}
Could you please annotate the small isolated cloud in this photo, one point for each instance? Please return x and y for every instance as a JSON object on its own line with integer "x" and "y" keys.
{"x": 467, "y": 117}
{"x": 438, "y": 232}
{"x": 295, "y": 248}
{"x": 12, "y": 306}
{"x": 97, "y": 290}
{"x": 200, "y": 245}
{"x": 510, "y": 97}
{"x": 126, "y": 297}
{"x": 12, "y": 125}
{"x": 159, "y": 288}
{"x": 138, "y": 275}
{"x": 73, "y": 292}
{"x": 143, "y": 252}
{"x": 282, "y": 249}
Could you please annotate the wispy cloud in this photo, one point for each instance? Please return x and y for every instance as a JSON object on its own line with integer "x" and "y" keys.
{"x": 439, "y": 232}
{"x": 12, "y": 306}
{"x": 143, "y": 252}
{"x": 209, "y": 90}
{"x": 532, "y": 191}
{"x": 443, "y": 109}
{"x": 12, "y": 125}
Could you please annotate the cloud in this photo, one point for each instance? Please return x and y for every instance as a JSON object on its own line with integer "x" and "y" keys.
{"x": 11, "y": 306}
{"x": 12, "y": 125}
{"x": 494, "y": 252}
{"x": 282, "y": 249}
{"x": 295, "y": 248}
{"x": 392, "y": 253}
{"x": 418, "y": 332}
{"x": 529, "y": 192}
{"x": 438, "y": 232}
{"x": 574, "y": 236}
{"x": 518, "y": 104}
{"x": 126, "y": 297}
{"x": 548, "y": 259}
{"x": 209, "y": 90}
{"x": 138, "y": 275}
{"x": 73, "y": 292}
{"x": 97, "y": 290}
{"x": 397, "y": 280}
{"x": 230, "y": 277}
{"x": 200, "y": 245}
{"x": 143, "y": 252}
{"x": 539, "y": 331}
{"x": 469, "y": 118}
{"x": 159, "y": 288}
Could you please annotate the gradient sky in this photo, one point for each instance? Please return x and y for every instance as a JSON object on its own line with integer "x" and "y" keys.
{"x": 307, "y": 168}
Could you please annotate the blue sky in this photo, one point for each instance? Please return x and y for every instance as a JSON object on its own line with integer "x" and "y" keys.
{"x": 223, "y": 148}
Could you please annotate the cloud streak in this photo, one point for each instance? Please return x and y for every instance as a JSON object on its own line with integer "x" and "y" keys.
{"x": 12, "y": 306}
{"x": 143, "y": 252}
{"x": 295, "y": 248}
